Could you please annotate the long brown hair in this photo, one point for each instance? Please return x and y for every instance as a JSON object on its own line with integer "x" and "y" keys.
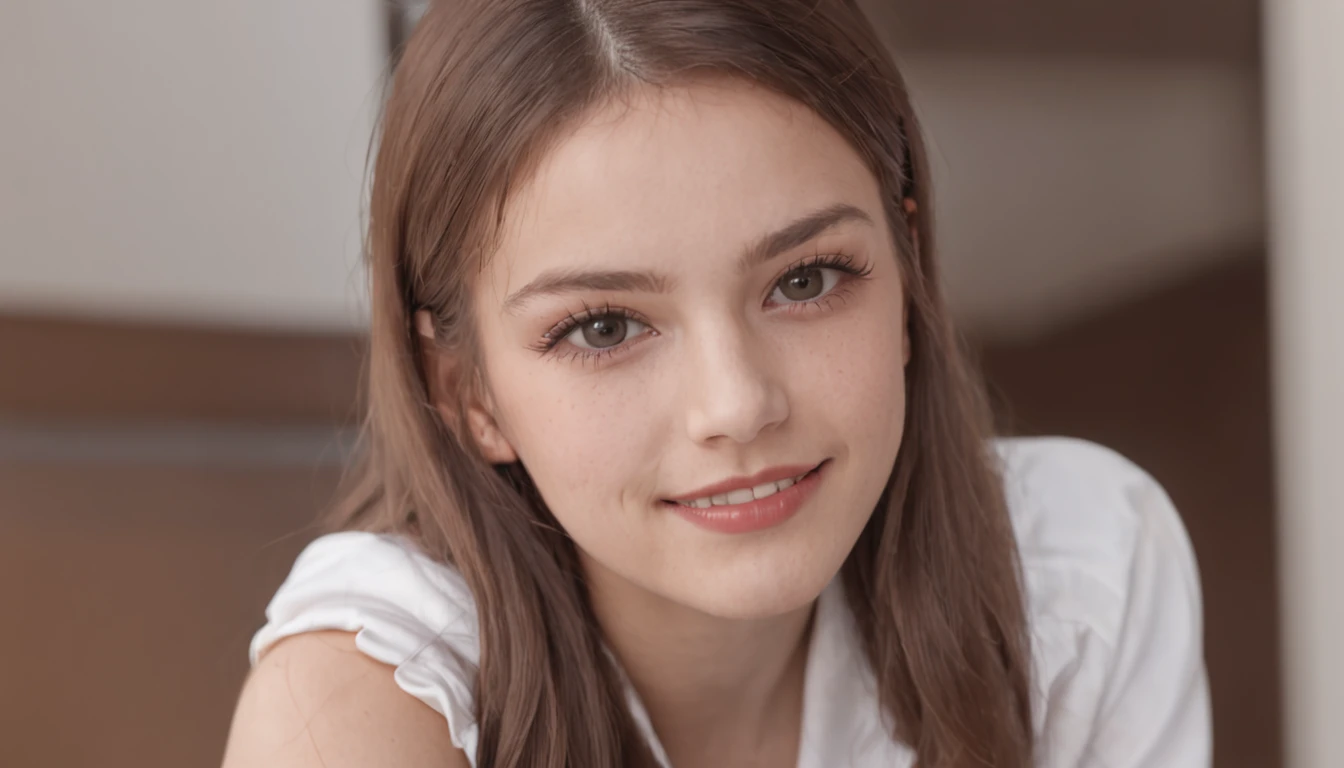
{"x": 482, "y": 90}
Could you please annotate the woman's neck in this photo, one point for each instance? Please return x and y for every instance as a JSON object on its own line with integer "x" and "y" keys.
{"x": 718, "y": 691}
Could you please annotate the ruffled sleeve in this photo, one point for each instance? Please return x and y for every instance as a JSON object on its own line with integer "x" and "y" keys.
{"x": 1114, "y": 601}
{"x": 407, "y": 610}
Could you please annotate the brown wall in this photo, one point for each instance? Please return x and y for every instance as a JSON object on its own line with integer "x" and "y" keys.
{"x": 129, "y": 594}
{"x": 64, "y": 370}
{"x": 132, "y": 575}
{"x": 1212, "y": 31}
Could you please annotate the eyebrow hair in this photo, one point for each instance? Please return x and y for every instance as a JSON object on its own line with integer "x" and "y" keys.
{"x": 567, "y": 281}
{"x": 799, "y": 232}
{"x": 791, "y": 236}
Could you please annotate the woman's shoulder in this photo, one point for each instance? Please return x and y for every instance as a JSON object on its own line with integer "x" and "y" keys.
{"x": 1114, "y": 603}
{"x": 1091, "y": 525}
{"x": 315, "y": 700}
{"x": 406, "y": 610}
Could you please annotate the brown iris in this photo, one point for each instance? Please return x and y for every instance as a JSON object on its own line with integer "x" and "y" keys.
{"x": 604, "y": 332}
{"x": 803, "y": 285}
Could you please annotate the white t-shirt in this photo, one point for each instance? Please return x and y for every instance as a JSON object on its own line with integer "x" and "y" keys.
{"x": 1113, "y": 600}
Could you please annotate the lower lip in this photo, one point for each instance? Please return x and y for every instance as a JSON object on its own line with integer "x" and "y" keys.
{"x": 755, "y": 515}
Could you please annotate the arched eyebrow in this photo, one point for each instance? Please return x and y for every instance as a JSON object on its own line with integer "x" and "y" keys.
{"x": 800, "y": 232}
{"x": 794, "y": 234}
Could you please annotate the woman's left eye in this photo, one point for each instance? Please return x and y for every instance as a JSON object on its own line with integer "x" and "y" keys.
{"x": 806, "y": 284}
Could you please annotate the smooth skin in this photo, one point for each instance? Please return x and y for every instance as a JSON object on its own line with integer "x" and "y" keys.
{"x": 315, "y": 701}
{"x": 687, "y": 196}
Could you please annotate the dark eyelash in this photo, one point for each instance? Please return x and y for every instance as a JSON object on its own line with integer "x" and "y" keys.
{"x": 557, "y": 333}
{"x": 840, "y": 261}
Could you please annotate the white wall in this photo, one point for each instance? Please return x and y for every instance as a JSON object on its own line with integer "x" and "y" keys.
{"x": 1305, "y": 81}
{"x": 197, "y": 160}
{"x": 203, "y": 160}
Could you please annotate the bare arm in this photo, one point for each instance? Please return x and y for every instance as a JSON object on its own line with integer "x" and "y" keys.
{"x": 315, "y": 701}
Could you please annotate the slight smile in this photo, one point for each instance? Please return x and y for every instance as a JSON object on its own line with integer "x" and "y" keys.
{"x": 748, "y": 504}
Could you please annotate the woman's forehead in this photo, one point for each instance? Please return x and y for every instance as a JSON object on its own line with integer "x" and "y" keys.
{"x": 678, "y": 171}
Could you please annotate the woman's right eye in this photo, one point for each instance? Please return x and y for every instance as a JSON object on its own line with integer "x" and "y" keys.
{"x": 604, "y": 332}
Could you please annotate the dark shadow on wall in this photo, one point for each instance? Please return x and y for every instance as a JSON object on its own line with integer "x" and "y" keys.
{"x": 1179, "y": 382}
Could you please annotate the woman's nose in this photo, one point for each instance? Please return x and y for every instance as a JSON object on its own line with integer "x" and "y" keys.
{"x": 734, "y": 392}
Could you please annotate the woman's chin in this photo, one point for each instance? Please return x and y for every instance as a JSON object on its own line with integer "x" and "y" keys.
{"x": 754, "y": 596}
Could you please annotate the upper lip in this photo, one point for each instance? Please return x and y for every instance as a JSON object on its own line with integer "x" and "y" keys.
{"x": 771, "y": 475}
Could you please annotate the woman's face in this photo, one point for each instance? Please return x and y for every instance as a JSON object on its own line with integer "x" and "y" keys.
{"x": 698, "y": 286}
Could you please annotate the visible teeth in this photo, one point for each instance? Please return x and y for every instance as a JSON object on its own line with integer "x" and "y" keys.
{"x": 740, "y": 496}
{"x": 743, "y": 495}
{"x": 767, "y": 489}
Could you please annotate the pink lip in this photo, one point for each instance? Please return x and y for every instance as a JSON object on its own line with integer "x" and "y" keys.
{"x": 757, "y": 514}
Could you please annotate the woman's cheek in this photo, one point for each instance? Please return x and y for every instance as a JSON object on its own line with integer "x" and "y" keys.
{"x": 580, "y": 435}
{"x": 854, "y": 372}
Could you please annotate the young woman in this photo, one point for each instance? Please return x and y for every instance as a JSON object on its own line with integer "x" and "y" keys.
{"x": 673, "y": 458}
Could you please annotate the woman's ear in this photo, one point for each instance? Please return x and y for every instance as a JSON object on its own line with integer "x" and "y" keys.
{"x": 912, "y": 220}
{"x": 443, "y": 373}
{"x": 490, "y": 439}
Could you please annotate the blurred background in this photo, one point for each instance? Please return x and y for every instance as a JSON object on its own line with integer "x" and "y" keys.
{"x": 1138, "y": 228}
